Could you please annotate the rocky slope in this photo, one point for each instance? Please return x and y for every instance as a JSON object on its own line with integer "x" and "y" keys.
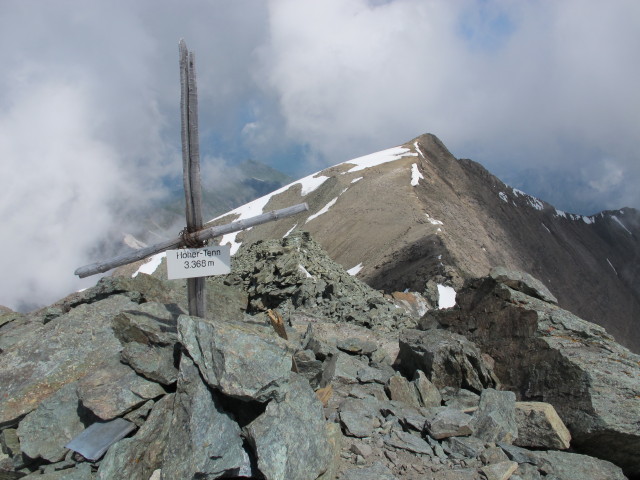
{"x": 414, "y": 213}
{"x": 301, "y": 371}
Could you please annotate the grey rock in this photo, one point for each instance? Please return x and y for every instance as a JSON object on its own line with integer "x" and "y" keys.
{"x": 522, "y": 282}
{"x": 409, "y": 442}
{"x": 140, "y": 455}
{"x": 321, "y": 285}
{"x": 448, "y": 359}
{"x": 238, "y": 360}
{"x": 379, "y": 374}
{"x": 410, "y": 418}
{"x": 341, "y": 369}
{"x": 80, "y": 472}
{"x": 204, "y": 440}
{"x": 378, "y": 471}
{"x": 289, "y": 426}
{"x": 469, "y": 447}
{"x": 115, "y": 389}
{"x": 519, "y": 454}
{"x": 526, "y": 471}
{"x": 308, "y": 366}
{"x": 399, "y": 389}
{"x": 460, "y": 398}
{"x": 428, "y": 393}
{"x": 449, "y": 422}
{"x": 357, "y": 416}
{"x": 60, "y": 352}
{"x": 357, "y": 346}
{"x": 140, "y": 414}
{"x": 547, "y": 354}
{"x": 10, "y": 441}
{"x": 572, "y": 466}
{"x": 44, "y": 432}
{"x": 499, "y": 471}
{"x": 539, "y": 426}
{"x": 493, "y": 455}
{"x": 495, "y": 419}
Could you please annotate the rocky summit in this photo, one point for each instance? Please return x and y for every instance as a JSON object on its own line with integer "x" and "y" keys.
{"x": 415, "y": 217}
{"x": 302, "y": 371}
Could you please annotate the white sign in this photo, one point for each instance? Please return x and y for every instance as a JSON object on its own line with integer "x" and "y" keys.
{"x": 198, "y": 262}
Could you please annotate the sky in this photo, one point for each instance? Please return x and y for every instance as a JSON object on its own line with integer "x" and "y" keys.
{"x": 543, "y": 93}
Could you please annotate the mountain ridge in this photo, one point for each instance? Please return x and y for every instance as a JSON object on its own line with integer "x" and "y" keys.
{"x": 415, "y": 213}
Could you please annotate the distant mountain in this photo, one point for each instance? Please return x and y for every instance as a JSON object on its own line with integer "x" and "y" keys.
{"x": 241, "y": 184}
{"x": 414, "y": 216}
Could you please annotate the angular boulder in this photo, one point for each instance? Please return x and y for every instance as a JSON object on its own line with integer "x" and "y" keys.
{"x": 238, "y": 360}
{"x": 204, "y": 440}
{"x": 539, "y": 426}
{"x": 446, "y": 358}
{"x": 545, "y": 353}
{"x": 290, "y": 438}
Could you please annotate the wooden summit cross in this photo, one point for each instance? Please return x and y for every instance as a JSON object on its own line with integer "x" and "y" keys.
{"x": 194, "y": 234}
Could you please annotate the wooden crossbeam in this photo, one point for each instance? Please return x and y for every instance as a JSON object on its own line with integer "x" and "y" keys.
{"x": 200, "y": 236}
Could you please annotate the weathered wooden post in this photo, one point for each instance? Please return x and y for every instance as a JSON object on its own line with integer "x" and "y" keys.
{"x": 191, "y": 169}
{"x": 194, "y": 235}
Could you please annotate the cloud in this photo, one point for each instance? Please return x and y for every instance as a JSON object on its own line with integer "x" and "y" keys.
{"x": 513, "y": 85}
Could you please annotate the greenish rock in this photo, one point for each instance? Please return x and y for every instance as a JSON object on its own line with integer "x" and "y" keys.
{"x": 56, "y": 354}
{"x": 151, "y": 323}
{"x": 115, "y": 389}
{"x": 139, "y": 456}
{"x": 290, "y": 438}
{"x": 573, "y": 466}
{"x": 153, "y": 362}
{"x": 237, "y": 359}
{"x": 295, "y": 274}
{"x": 204, "y": 440}
{"x": 495, "y": 419}
{"x": 44, "y": 432}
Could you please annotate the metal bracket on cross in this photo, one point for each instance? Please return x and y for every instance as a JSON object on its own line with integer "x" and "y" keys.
{"x": 194, "y": 233}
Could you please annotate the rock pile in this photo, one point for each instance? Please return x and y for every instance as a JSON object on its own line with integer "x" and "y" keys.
{"x": 303, "y": 372}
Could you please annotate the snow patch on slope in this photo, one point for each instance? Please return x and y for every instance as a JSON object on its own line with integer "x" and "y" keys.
{"x": 378, "y": 158}
{"x": 446, "y": 297}
{"x": 151, "y": 264}
{"x": 617, "y": 220}
{"x": 415, "y": 144}
{"x": 324, "y": 209}
{"x": 416, "y": 176}
{"x": 533, "y": 201}
{"x": 433, "y": 221}
{"x": 354, "y": 270}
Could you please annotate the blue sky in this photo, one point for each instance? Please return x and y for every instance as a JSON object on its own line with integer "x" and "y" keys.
{"x": 542, "y": 93}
